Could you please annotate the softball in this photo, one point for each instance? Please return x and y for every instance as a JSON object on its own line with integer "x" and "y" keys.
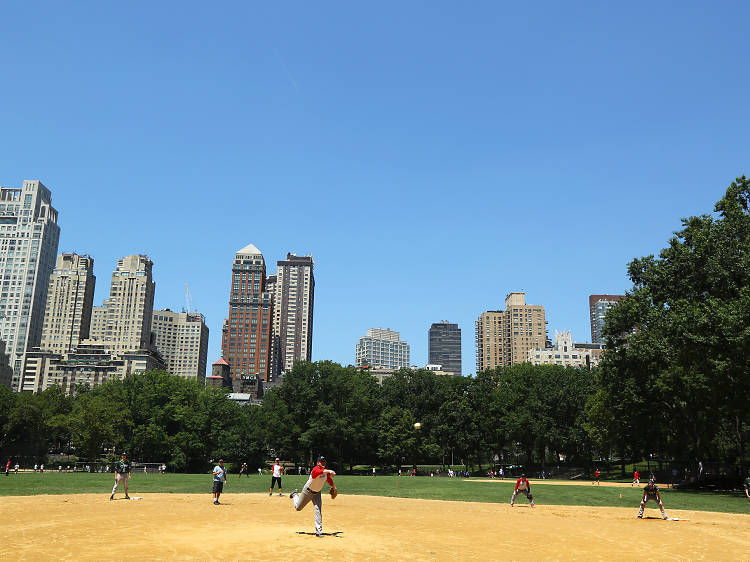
{"x": 417, "y": 425}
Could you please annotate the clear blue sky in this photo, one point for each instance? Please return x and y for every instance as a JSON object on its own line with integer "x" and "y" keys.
{"x": 432, "y": 156}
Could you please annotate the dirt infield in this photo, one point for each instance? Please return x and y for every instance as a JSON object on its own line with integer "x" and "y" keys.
{"x": 254, "y": 526}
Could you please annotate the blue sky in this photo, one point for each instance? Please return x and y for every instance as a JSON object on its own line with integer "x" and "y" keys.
{"x": 432, "y": 156}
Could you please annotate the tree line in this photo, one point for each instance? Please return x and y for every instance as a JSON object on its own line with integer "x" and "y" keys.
{"x": 674, "y": 383}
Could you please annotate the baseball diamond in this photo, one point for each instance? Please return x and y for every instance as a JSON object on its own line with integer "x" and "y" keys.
{"x": 178, "y": 526}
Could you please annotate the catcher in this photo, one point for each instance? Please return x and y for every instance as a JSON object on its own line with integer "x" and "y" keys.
{"x": 311, "y": 492}
{"x": 651, "y": 492}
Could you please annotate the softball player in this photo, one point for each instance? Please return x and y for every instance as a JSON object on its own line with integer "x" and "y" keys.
{"x": 523, "y": 486}
{"x": 311, "y": 492}
{"x": 122, "y": 474}
{"x": 651, "y": 492}
{"x": 278, "y": 470}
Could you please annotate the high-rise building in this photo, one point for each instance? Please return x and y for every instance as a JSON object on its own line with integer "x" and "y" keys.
{"x": 28, "y": 245}
{"x": 119, "y": 341}
{"x": 182, "y": 340}
{"x": 246, "y": 333}
{"x": 598, "y": 307}
{"x": 504, "y": 337}
{"x": 445, "y": 346}
{"x": 294, "y": 295}
{"x": 70, "y": 297}
{"x": 382, "y": 349}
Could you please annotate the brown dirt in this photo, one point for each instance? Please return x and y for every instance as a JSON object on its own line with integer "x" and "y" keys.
{"x": 255, "y": 526}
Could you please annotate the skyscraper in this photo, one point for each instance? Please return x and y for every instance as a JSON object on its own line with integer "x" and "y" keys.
{"x": 598, "y": 307}
{"x": 246, "y": 334}
{"x": 182, "y": 340}
{"x": 294, "y": 289}
{"x": 130, "y": 307}
{"x": 119, "y": 339}
{"x": 505, "y": 337}
{"x": 383, "y": 349}
{"x": 28, "y": 245}
{"x": 445, "y": 346}
{"x": 70, "y": 297}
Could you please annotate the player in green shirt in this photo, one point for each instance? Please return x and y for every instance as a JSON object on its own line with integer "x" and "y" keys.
{"x": 122, "y": 474}
{"x": 651, "y": 492}
{"x": 747, "y": 485}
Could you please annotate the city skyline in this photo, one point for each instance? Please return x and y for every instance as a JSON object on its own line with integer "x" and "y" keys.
{"x": 540, "y": 149}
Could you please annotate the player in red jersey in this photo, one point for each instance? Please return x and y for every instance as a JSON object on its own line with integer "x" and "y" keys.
{"x": 311, "y": 492}
{"x": 636, "y": 478}
{"x": 523, "y": 486}
{"x": 596, "y": 477}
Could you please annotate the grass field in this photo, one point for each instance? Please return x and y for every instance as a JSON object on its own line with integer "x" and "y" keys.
{"x": 472, "y": 490}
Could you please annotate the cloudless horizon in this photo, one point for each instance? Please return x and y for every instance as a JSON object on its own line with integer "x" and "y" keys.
{"x": 431, "y": 156}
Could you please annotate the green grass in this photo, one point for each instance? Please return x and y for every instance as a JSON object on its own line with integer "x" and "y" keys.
{"x": 421, "y": 487}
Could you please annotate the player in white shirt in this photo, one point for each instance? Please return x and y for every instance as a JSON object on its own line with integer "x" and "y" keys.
{"x": 278, "y": 470}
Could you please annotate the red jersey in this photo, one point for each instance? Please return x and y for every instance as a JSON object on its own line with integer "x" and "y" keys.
{"x": 636, "y": 476}
{"x": 522, "y": 484}
{"x": 597, "y": 474}
{"x": 317, "y": 475}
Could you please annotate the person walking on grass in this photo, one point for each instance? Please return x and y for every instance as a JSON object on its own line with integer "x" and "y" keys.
{"x": 311, "y": 492}
{"x": 220, "y": 476}
{"x": 122, "y": 474}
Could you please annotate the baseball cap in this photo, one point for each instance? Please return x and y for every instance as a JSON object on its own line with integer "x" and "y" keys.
{"x": 221, "y": 460}
{"x": 321, "y": 458}
{"x": 124, "y": 454}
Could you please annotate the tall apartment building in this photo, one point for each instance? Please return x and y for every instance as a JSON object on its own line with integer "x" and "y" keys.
{"x": 445, "y": 346}
{"x": 29, "y": 235}
{"x": 294, "y": 296}
{"x": 119, "y": 339}
{"x": 382, "y": 349}
{"x": 598, "y": 307}
{"x": 247, "y": 332}
{"x": 505, "y": 337}
{"x": 181, "y": 338}
{"x": 70, "y": 297}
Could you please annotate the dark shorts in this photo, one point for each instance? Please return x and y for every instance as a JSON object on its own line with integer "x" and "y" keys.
{"x": 218, "y": 487}
{"x": 275, "y": 479}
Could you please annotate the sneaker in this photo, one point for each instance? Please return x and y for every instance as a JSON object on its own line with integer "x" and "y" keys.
{"x": 127, "y": 497}
{"x": 281, "y": 494}
{"x": 216, "y": 502}
{"x": 270, "y": 493}
{"x": 319, "y": 533}
{"x": 640, "y": 516}
{"x": 111, "y": 497}
{"x": 664, "y": 517}
{"x": 511, "y": 505}
{"x": 294, "y": 493}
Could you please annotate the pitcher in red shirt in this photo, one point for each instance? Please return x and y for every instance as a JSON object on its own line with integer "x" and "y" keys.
{"x": 636, "y": 478}
{"x": 523, "y": 486}
{"x": 311, "y": 492}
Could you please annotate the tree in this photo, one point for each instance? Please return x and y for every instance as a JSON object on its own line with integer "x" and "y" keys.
{"x": 678, "y": 371}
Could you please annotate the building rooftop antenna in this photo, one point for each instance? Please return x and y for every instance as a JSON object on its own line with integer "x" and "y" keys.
{"x": 188, "y": 302}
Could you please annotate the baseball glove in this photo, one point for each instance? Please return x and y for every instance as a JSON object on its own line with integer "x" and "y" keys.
{"x": 334, "y": 493}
